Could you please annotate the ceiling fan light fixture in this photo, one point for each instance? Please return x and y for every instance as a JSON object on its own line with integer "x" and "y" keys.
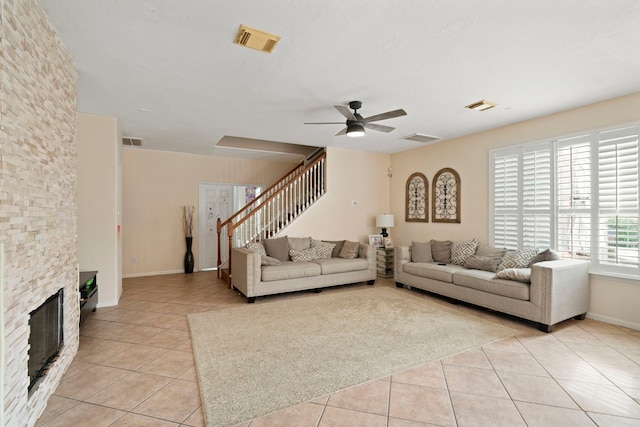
{"x": 355, "y": 129}
{"x": 481, "y": 105}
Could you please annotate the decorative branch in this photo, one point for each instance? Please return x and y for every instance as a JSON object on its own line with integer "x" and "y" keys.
{"x": 187, "y": 220}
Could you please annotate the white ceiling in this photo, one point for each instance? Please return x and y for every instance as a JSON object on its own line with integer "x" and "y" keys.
{"x": 170, "y": 72}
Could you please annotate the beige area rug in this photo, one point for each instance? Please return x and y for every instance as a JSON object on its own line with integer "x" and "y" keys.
{"x": 259, "y": 358}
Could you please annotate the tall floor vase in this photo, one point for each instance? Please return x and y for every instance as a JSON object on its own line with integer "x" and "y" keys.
{"x": 188, "y": 257}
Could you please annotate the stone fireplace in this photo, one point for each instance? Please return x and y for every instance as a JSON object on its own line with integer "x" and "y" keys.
{"x": 38, "y": 181}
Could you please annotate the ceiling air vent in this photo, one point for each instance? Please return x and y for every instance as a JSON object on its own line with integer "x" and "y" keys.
{"x": 420, "y": 137}
{"x": 256, "y": 39}
{"x": 131, "y": 141}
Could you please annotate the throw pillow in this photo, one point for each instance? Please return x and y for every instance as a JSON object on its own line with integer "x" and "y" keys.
{"x": 441, "y": 250}
{"x": 460, "y": 251}
{"x": 256, "y": 247}
{"x": 299, "y": 243}
{"x": 323, "y": 249}
{"x": 277, "y": 248}
{"x": 492, "y": 252}
{"x": 349, "y": 250}
{"x": 546, "y": 255}
{"x": 518, "y": 274}
{"x": 517, "y": 259}
{"x": 267, "y": 260}
{"x": 303, "y": 255}
{"x": 335, "y": 253}
{"x": 421, "y": 252}
{"x": 486, "y": 263}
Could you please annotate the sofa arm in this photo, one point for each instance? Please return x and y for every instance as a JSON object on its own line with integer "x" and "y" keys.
{"x": 245, "y": 270}
{"x": 368, "y": 252}
{"x": 401, "y": 256}
{"x": 560, "y": 288}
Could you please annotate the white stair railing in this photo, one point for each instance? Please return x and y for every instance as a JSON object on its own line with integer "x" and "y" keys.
{"x": 276, "y": 208}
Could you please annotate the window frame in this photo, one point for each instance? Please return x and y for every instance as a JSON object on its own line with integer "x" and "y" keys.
{"x": 596, "y": 138}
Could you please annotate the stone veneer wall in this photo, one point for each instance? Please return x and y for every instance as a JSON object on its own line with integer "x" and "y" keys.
{"x": 38, "y": 155}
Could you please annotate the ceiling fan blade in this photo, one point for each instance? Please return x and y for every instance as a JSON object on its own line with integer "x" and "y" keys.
{"x": 342, "y": 132}
{"x": 378, "y": 127}
{"x": 387, "y": 115}
{"x": 323, "y": 123}
{"x": 344, "y": 110}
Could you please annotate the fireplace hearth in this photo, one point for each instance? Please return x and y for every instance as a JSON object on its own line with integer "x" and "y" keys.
{"x": 46, "y": 336}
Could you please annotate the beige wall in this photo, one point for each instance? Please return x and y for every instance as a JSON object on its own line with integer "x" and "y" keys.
{"x": 352, "y": 176}
{"x": 38, "y": 178}
{"x": 99, "y": 195}
{"x": 611, "y": 300}
{"x": 157, "y": 184}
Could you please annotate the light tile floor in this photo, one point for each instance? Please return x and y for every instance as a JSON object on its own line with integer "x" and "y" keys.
{"x": 135, "y": 368}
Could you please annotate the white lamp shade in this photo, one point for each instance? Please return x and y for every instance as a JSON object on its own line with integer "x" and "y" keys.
{"x": 384, "y": 221}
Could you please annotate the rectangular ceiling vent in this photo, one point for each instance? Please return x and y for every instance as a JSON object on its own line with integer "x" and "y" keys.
{"x": 131, "y": 141}
{"x": 420, "y": 137}
{"x": 256, "y": 39}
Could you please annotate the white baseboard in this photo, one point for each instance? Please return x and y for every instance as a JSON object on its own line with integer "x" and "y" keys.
{"x": 153, "y": 273}
{"x": 613, "y": 321}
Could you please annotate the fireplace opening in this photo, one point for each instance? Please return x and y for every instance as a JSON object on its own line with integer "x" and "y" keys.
{"x": 46, "y": 336}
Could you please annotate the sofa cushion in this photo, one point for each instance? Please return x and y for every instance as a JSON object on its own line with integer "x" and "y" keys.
{"x": 277, "y": 248}
{"x": 335, "y": 253}
{"x": 323, "y": 249}
{"x": 460, "y": 251}
{"x": 441, "y": 250}
{"x": 256, "y": 247}
{"x": 349, "y": 250}
{"x": 299, "y": 243}
{"x": 308, "y": 254}
{"x": 267, "y": 260}
{"x": 290, "y": 270}
{"x": 485, "y": 263}
{"x": 517, "y": 259}
{"x": 431, "y": 270}
{"x": 341, "y": 265}
{"x": 520, "y": 274}
{"x": 546, "y": 255}
{"x": 421, "y": 252}
{"x": 484, "y": 281}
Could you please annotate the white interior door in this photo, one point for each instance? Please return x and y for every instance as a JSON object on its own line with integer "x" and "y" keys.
{"x": 216, "y": 201}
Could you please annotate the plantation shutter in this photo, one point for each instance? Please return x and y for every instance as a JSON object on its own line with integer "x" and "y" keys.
{"x": 536, "y": 196}
{"x": 574, "y": 198}
{"x": 506, "y": 166}
{"x": 617, "y": 231}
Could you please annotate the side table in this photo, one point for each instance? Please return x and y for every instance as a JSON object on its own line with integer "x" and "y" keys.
{"x": 385, "y": 262}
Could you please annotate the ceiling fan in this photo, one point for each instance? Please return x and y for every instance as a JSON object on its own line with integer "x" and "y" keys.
{"x": 356, "y": 123}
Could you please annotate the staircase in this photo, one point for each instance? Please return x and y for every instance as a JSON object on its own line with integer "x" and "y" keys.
{"x": 274, "y": 209}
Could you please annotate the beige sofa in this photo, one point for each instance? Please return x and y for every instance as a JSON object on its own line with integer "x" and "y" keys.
{"x": 558, "y": 290}
{"x": 251, "y": 277}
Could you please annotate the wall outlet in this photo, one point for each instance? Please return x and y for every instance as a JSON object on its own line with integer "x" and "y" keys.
{"x": 134, "y": 260}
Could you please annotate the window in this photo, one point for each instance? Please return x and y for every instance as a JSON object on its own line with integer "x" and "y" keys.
{"x": 577, "y": 194}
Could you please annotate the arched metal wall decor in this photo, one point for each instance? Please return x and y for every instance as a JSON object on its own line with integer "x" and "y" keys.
{"x": 446, "y": 196}
{"x": 417, "y": 198}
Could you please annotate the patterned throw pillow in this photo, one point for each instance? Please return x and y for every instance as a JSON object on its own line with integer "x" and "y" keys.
{"x": 323, "y": 249}
{"x": 303, "y": 255}
{"x": 518, "y": 259}
{"x": 460, "y": 251}
{"x": 256, "y": 247}
{"x": 338, "y": 247}
{"x": 519, "y": 274}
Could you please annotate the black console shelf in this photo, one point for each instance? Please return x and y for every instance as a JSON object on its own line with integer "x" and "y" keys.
{"x": 88, "y": 293}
